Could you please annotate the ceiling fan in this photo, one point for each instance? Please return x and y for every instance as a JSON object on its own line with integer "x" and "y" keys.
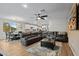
{"x": 42, "y": 15}
{"x": 39, "y": 16}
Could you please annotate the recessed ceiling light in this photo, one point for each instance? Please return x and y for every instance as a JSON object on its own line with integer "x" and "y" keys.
{"x": 24, "y": 5}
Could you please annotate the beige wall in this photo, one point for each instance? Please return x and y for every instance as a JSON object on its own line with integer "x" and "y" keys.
{"x": 58, "y": 25}
{"x": 74, "y": 41}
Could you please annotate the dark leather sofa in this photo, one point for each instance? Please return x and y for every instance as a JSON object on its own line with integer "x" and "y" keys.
{"x": 62, "y": 37}
{"x": 58, "y": 36}
{"x": 31, "y": 38}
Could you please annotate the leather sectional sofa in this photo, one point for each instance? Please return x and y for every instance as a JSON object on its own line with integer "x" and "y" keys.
{"x": 58, "y": 36}
{"x": 62, "y": 37}
{"x": 31, "y": 38}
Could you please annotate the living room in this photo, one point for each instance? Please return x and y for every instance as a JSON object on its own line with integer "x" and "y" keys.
{"x": 38, "y": 29}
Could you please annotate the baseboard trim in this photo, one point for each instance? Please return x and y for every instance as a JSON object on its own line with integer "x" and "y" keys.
{"x": 72, "y": 49}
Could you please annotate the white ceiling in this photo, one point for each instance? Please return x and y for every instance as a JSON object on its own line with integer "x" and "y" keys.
{"x": 55, "y": 11}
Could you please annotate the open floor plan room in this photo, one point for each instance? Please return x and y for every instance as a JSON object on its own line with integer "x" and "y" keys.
{"x": 39, "y": 29}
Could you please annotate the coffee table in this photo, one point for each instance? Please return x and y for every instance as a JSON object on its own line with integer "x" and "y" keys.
{"x": 48, "y": 44}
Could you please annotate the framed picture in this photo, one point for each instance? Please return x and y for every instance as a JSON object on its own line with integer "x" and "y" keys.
{"x": 6, "y": 27}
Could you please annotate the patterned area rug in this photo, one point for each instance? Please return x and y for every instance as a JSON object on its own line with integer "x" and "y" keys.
{"x": 37, "y": 50}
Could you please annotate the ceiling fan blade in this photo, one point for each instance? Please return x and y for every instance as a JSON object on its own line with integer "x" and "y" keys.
{"x": 44, "y": 16}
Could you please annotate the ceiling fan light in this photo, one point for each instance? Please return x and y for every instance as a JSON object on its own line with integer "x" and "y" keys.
{"x": 38, "y": 18}
{"x": 45, "y": 18}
